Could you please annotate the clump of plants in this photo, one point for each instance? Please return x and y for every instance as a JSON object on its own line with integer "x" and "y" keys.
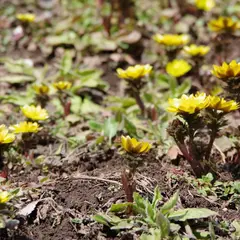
{"x": 154, "y": 219}
{"x": 134, "y": 76}
{"x": 208, "y": 187}
{"x": 62, "y": 88}
{"x": 172, "y": 43}
{"x": 230, "y": 75}
{"x": 224, "y": 25}
{"x": 41, "y": 92}
{"x": 28, "y": 129}
{"x": 6, "y": 138}
{"x": 134, "y": 155}
{"x": 225, "y": 29}
{"x": 7, "y": 208}
{"x": 199, "y": 120}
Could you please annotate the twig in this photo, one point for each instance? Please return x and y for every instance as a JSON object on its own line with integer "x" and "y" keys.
{"x": 84, "y": 177}
{"x": 218, "y": 204}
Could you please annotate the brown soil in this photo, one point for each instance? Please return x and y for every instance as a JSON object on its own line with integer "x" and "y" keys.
{"x": 80, "y": 195}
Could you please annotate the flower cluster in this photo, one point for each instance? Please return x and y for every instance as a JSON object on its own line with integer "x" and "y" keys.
{"x": 5, "y": 136}
{"x": 226, "y": 71}
{"x": 224, "y": 24}
{"x": 195, "y": 50}
{"x": 188, "y": 104}
{"x": 134, "y": 72}
{"x": 178, "y": 67}
{"x": 26, "y": 17}
{"x": 194, "y": 103}
{"x": 5, "y": 196}
{"x": 62, "y": 85}
{"x": 41, "y": 89}
{"x": 221, "y": 104}
{"x": 205, "y": 5}
{"x": 34, "y": 113}
{"x": 173, "y": 40}
{"x": 25, "y": 127}
{"x": 131, "y": 145}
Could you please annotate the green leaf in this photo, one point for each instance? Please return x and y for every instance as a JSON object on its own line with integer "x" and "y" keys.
{"x": 236, "y": 225}
{"x": 208, "y": 178}
{"x": 172, "y": 84}
{"x": 76, "y": 103}
{"x": 123, "y": 225}
{"x": 211, "y": 231}
{"x": 154, "y": 234}
{"x": 95, "y": 126}
{"x": 99, "y": 140}
{"x": 76, "y": 220}
{"x": 89, "y": 107}
{"x": 15, "y": 192}
{"x": 163, "y": 223}
{"x": 120, "y": 207}
{"x": 157, "y": 197}
{"x": 103, "y": 219}
{"x": 174, "y": 227}
{"x": 2, "y": 222}
{"x": 140, "y": 203}
{"x": 21, "y": 66}
{"x": 13, "y": 79}
{"x": 183, "y": 88}
{"x": 191, "y": 213}
{"x": 69, "y": 37}
{"x": 130, "y": 127}
{"x": 89, "y": 78}
{"x": 66, "y": 63}
{"x": 150, "y": 213}
{"x": 167, "y": 81}
{"x": 110, "y": 127}
{"x": 73, "y": 118}
{"x": 18, "y": 99}
{"x": 170, "y": 203}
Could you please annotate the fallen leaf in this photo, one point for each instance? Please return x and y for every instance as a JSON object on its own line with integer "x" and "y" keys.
{"x": 27, "y": 210}
{"x": 173, "y": 152}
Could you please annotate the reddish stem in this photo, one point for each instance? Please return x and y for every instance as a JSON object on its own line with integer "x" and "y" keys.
{"x": 67, "y": 108}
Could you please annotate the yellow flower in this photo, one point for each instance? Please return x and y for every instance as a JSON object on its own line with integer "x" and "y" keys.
{"x": 178, "y": 67}
{"x": 62, "y": 85}
{"x": 5, "y": 137}
{"x": 226, "y": 71}
{"x": 224, "y": 24}
{"x": 134, "y": 72}
{"x": 34, "y": 113}
{"x": 206, "y": 5}
{"x": 131, "y": 145}
{"x": 188, "y": 104}
{"x": 221, "y": 104}
{"x": 25, "y": 127}
{"x": 195, "y": 50}
{"x": 174, "y": 40}
{"x": 5, "y": 196}
{"x": 26, "y": 17}
{"x": 41, "y": 89}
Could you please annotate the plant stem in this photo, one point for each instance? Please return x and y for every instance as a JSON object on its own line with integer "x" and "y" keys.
{"x": 184, "y": 150}
{"x": 128, "y": 183}
{"x": 67, "y": 107}
{"x": 65, "y": 104}
{"x": 139, "y": 101}
{"x": 210, "y": 144}
{"x": 1, "y": 159}
{"x": 195, "y": 164}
